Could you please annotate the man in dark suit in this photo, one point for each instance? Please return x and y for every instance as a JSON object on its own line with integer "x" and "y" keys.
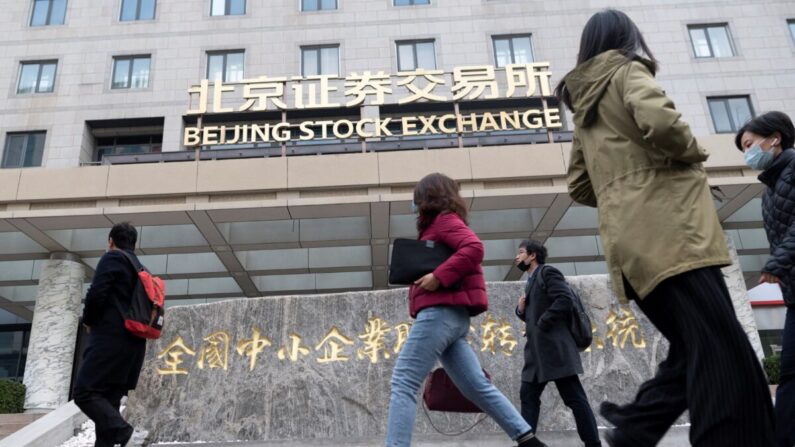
{"x": 550, "y": 353}
{"x": 113, "y": 356}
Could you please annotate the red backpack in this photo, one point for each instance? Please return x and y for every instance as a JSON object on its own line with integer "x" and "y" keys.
{"x": 144, "y": 318}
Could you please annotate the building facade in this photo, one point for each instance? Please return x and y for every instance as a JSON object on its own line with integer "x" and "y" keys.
{"x": 100, "y": 100}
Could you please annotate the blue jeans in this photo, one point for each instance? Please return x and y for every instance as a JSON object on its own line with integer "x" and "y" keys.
{"x": 439, "y": 333}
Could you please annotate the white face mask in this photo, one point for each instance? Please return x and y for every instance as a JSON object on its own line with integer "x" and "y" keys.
{"x": 758, "y": 158}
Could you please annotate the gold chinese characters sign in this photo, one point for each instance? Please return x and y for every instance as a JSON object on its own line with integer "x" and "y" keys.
{"x": 373, "y": 89}
{"x": 376, "y": 341}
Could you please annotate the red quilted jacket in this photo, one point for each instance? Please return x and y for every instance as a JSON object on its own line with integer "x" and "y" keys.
{"x": 463, "y": 268}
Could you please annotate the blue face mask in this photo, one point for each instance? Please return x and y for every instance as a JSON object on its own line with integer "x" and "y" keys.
{"x": 414, "y": 209}
{"x": 758, "y": 158}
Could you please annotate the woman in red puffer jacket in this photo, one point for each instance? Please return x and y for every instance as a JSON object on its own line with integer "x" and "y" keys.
{"x": 442, "y": 303}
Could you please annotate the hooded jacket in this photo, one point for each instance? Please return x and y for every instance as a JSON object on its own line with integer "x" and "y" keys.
{"x": 634, "y": 159}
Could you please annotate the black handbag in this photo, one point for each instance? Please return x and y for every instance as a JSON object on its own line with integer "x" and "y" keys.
{"x": 412, "y": 259}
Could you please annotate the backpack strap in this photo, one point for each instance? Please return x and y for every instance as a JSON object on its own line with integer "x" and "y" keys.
{"x": 540, "y": 279}
{"x": 134, "y": 261}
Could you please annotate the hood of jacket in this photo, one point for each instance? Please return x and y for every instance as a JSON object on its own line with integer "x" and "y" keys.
{"x": 588, "y": 83}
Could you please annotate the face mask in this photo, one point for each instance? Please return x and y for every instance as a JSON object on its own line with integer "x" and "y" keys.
{"x": 523, "y": 267}
{"x": 758, "y": 158}
{"x": 414, "y": 209}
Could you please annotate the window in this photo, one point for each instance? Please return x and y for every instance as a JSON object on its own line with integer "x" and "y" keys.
{"x": 729, "y": 113}
{"x": 711, "y": 41}
{"x": 48, "y": 12}
{"x": 37, "y": 77}
{"x": 129, "y": 145}
{"x": 512, "y": 50}
{"x": 414, "y": 54}
{"x": 130, "y": 72}
{"x": 791, "y": 24}
{"x": 318, "y": 5}
{"x": 137, "y": 10}
{"x": 23, "y": 149}
{"x": 227, "y": 7}
{"x": 225, "y": 65}
{"x": 320, "y": 60}
{"x": 412, "y": 2}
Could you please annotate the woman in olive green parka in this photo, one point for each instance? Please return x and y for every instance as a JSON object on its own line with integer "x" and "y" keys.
{"x": 636, "y": 161}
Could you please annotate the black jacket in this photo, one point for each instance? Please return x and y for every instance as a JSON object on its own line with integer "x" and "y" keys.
{"x": 778, "y": 214}
{"x": 113, "y": 357}
{"x": 550, "y": 352}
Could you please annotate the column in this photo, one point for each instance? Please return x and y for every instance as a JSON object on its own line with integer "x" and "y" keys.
{"x": 735, "y": 281}
{"x": 48, "y": 371}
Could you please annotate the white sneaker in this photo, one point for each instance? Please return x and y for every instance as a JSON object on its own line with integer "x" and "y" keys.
{"x": 140, "y": 438}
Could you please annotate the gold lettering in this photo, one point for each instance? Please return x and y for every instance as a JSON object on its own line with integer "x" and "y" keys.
{"x": 335, "y": 342}
{"x": 623, "y": 327}
{"x": 173, "y": 357}
{"x": 318, "y": 93}
{"x": 191, "y": 137}
{"x": 258, "y": 99}
{"x": 281, "y": 132}
{"x": 341, "y": 135}
{"x": 409, "y": 125}
{"x": 497, "y": 331}
{"x": 381, "y": 129}
{"x": 218, "y": 92}
{"x": 307, "y": 133}
{"x": 373, "y": 337}
{"x": 488, "y": 123}
{"x": 402, "y": 331}
{"x": 512, "y": 118}
{"x": 367, "y": 84}
{"x": 553, "y": 118}
{"x": 324, "y": 127}
{"x": 252, "y": 347}
{"x": 432, "y": 78}
{"x": 202, "y": 90}
{"x": 472, "y": 122}
{"x": 360, "y": 128}
{"x": 471, "y": 82}
{"x": 210, "y": 135}
{"x": 536, "y": 123}
{"x": 443, "y": 124}
{"x": 294, "y": 351}
{"x": 216, "y": 352}
{"x": 258, "y": 134}
{"x": 428, "y": 124}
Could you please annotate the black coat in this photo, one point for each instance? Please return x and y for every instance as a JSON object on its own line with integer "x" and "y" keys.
{"x": 550, "y": 352}
{"x": 113, "y": 357}
{"x": 778, "y": 214}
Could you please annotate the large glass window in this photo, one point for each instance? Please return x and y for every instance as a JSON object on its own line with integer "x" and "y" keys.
{"x": 411, "y": 2}
{"x": 130, "y": 72}
{"x": 129, "y": 145}
{"x": 416, "y": 54}
{"x": 320, "y": 60}
{"x": 23, "y": 149}
{"x": 137, "y": 10}
{"x": 711, "y": 41}
{"x": 13, "y": 350}
{"x": 227, "y": 7}
{"x": 318, "y": 5}
{"x": 729, "y": 113}
{"x": 517, "y": 49}
{"x": 37, "y": 77}
{"x": 48, "y": 12}
{"x": 225, "y": 65}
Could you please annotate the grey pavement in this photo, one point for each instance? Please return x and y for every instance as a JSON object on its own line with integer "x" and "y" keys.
{"x": 676, "y": 437}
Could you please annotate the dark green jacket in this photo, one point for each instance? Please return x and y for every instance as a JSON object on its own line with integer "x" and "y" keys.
{"x": 636, "y": 161}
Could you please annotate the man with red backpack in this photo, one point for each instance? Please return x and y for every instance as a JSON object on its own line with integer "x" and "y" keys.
{"x": 113, "y": 356}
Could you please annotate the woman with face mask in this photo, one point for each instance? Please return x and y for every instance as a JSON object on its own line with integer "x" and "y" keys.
{"x": 767, "y": 143}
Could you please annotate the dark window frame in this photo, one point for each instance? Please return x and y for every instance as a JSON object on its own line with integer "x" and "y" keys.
{"x": 510, "y": 38}
{"x": 725, "y": 101}
{"x": 27, "y": 135}
{"x": 413, "y": 43}
{"x": 317, "y": 49}
{"x": 132, "y": 60}
{"x": 228, "y": 8}
{"x": 137, "y": 11}
{"x": 412, "y": 3}
{"x": 225, "y": 54}
{"x": 705, "y": 28}
{"x": 41, "y": 64}
{"x": 48, "y": 22}
{"x": 319, "y": 3}
{"x": 791, "y": 27}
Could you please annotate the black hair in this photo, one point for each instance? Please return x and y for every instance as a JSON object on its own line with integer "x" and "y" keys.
{"x": 124, "y": 236}
{"x": 606, "y": 30}
{"x": 537, "y": 248}
{"x": 765, "y": 126}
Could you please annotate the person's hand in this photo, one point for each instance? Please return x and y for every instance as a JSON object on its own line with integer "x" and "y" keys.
{"x": 522, "y": 304}
{"x": 87, "y": 327}
{"x": 428, "y": 282}
{"x": 768, "y": 278}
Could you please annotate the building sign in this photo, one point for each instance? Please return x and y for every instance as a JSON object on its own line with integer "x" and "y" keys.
{"x": 372, "y": 89}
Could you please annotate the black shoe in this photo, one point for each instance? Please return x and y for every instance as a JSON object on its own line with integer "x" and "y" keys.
{"x": 124, "y": 436}
{"x": 614, "y": 438}
{"x": 610, "y": 411}
{"x": 532, "y": 441}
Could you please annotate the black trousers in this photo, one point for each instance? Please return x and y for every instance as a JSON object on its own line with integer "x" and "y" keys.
{"x": 785, "y": 395}
{"x": 573, "y": 395}
{"x": 711, "y": 370}
{"x": 102, "y": 407}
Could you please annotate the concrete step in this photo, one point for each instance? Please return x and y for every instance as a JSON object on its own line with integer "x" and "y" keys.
{"x": 10, "y": 423}
{"x": 676, "y": 437}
